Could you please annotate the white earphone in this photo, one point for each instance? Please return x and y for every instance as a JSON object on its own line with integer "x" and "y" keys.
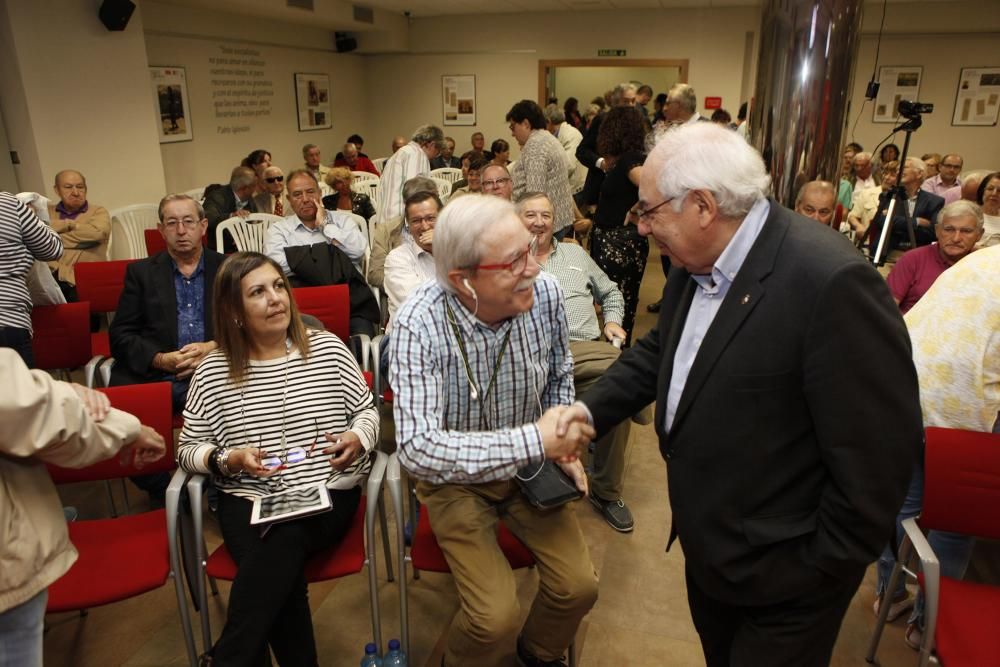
{"x": 465, "y": 281}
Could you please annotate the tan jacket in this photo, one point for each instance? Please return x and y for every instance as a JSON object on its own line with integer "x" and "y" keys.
{"x": 42, "y": 421}
{"x": 387, "y": 236}
{"x": 94, "y": 225}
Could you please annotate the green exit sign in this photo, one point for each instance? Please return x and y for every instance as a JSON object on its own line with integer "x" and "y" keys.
{"x": 612, "y": 53}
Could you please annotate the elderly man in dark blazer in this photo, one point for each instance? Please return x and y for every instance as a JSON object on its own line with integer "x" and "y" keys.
{"x": 918, "y": 213}
{"x": 788, "y": 443}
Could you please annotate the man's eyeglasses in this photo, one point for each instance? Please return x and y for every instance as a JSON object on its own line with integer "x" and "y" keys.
{"x": 429, "y": 220}
{"x": 275, "y": 179}
{"x": 496, "y": 183}
{"x": 945, "y": 165}
{"x": 172, "y": 223}
{"x": 643, "y": 213}
{"x": 517, "y": 266}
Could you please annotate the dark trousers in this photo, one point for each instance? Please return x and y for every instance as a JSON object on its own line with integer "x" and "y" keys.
{"x": 797, "y": 633}
{"x": 18, "y": 340}
{"x": 269, "y": 603}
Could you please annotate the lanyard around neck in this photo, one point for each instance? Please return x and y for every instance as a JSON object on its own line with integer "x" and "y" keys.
{"x": 465, "y": 356}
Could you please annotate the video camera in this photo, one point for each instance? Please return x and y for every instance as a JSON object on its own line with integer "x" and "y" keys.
{"x": 909, "y": 109}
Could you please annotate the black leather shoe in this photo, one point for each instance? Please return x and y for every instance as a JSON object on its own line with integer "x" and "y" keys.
{"x": 653, "y": 307}
{"x": 525, "y": 659}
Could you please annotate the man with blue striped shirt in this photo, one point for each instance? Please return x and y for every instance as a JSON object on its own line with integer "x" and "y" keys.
{"x": 481, "y": 369}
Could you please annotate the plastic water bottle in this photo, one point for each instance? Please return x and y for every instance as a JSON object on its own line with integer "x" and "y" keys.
{"x": 371, "y": 658}
{"x": 395, "y": 657}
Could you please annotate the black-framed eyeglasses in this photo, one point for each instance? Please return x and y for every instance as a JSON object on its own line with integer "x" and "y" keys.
{"x": 275, "y": 179}
{"x": 496, "y": 183}
{"x": 644, "y": 213}
{"x": 516, "y": 266}
{"x": 173, "y": 223}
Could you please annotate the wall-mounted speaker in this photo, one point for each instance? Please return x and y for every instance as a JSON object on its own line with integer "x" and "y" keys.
{"x": 344, "y": 42}
{"x": 114, "y": 14}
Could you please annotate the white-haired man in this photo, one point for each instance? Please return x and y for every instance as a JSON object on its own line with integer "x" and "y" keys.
{"x": 496, "y": 181}
{"x": 681, "y": 106}
{"x": 413, "y": 159}
{"x": 314, "y": 162}
{"x": 918, "y": 214}
{"x": 863, "y": 177}
{"x": 779, "y": 501}
{"x": 481, "y": 370}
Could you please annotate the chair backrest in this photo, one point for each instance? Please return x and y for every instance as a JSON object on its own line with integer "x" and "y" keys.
{"x": 61, "y": 337}
{"x": 247, "y": 235}
{"x": 330, "y": 304}
{"x": 449, "y": 174}
{"x": 363, "y": 176}
{"x": 101, "y": 283}
{"x": 130, "y": 222}
{"x": 151, "y": 404}
{"x": 197, "y": 194}
{"x": 156, "y": 243}
{"x": 264, "y": 217}
{"x": 324, "y": 189}
{"x": 367, "y": 186}
{"x": 443, "y": 186}
{"x": 962, "y": 482}
{"x": 379, "y": 163}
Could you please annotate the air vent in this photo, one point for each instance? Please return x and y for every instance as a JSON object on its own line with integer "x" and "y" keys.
{"x": 301, "y": 4}
{"x": 364, "y": 14}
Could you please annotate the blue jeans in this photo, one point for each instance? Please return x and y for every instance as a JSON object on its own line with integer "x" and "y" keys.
{"x": 21, "y": 633}
{"x": 952, "y": 549}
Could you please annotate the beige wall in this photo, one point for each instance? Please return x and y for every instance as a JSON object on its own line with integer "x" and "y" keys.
{"x": 78, "y": 96}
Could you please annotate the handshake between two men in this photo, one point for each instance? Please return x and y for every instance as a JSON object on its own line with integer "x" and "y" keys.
{"x": 566, "y": 430}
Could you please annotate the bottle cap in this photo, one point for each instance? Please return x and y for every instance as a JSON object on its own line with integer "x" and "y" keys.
{"x": 393, "y": 644}
{"x": 370, "y": 649}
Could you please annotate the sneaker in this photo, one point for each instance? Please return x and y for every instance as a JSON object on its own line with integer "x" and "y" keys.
{"x": 896, "y": 609}
{"x": 914, "y": 636}
{"x": 525, "y": 659}
{"x": 614, "y": 512}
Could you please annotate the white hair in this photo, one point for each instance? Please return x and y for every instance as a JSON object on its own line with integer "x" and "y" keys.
{"x": 917, "y": 164}
{"x": 961, "y": 209}
{"x": 707, "y": 156}
{"x": 684, "y": 95}
{"x": 459, "y": 232}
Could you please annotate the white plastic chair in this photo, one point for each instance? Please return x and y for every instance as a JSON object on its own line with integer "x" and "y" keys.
{"x": 444, "y": 187}
{"x": 379, "y": 163}
{"x": 449, "y": 174}
{"x": 367, "y": 187}
{"x": 197, "y": 194}
{"x": 248, "y": 235}
{"x": 363, "y": 176}
{"x": 132, "y": 221}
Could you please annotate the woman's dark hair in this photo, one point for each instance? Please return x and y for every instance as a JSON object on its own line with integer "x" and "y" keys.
{"x": 527, "y": 110}
{"x": 499, "y": 146}
{"x": 981, "y": 192}
{"x": 721, "y": 116}
{"x": 356, "y": 140}
{"x": 854, "y": 146}
{"x": 599, "y": 101}
{"x": 255, "y": 158}
{"x": 228, "y": 314}
{"x": 881, "y": 153}
{"x": 572, "y": 105}
{"x": 622, "y": 130}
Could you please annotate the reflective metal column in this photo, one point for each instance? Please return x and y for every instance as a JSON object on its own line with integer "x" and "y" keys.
{"x": 808, "y": 49}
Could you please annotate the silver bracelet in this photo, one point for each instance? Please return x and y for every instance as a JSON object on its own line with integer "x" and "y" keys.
{"x": 224, "y": 464}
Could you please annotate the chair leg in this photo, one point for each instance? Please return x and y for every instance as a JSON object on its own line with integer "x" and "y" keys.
{"x": 384, "y": 526}
{"x": 111, "y": 499}
{"x": 128, "y": 506}
{"x": 884, "y": 607}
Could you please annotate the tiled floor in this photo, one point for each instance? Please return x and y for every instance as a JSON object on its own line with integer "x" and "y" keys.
{"x": 641, "y": 617}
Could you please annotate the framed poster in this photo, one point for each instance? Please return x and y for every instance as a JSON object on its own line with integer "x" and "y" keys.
{"x": 895, "y": 84}
{"x": 458, "y": 97}
{"x": 978, "y": 98}
{"x": 170, "y": 98}
{"x": 312, "y": 99}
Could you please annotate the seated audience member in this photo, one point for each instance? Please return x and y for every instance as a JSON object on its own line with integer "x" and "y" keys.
{"x": 932, "y": 161}
{"x": 397, "y": 142}
{"x": 411, "y": 263}
{"x": 723, "y": 118}
{"x": 345, "y": 199}
{"x": 466, "y": 429}
{"x": 959, "y": 226}
{"x": 542, "y": 165}
{"x": 918, "y": 214}
{"x": 866, "y": 203}
{"x": 314, "y": 163}
{"x": 353, "y": 160}
{"x": 270, "y": 201}
{"x": 569, "y": 137}
{"x": 501, "y": 152}
{"x": 496, "y": 181}
{"x": 388, "y": 234}
{"x": 946, "y": 183}
{"x": 889, "y": 153}
{"x": 162, "y": 328}
{"x": 817, "y": 200}
{"x": 258, "y": 160}
{"x": 413, "y": 159}
{"x": 988, "y": 196}
{"x": 312, "y": 223}
{"x": 953, "y": 331}
{"x": 447, "y": 159}
{"x": 971, "y": 183}
{"x": 571, "y": 112}
{"x": 83, "y": 228}
{"x": 224, "y": 202}
{"x": 584, "y": 284}
{"x": 270, "y": 393}
{"x": 24, "y": 238}
{"x": 470, "y": 181}
{"x": 43, "y": 421}
{"x": 863, "y": 178}
{"x": 479, "y": 145}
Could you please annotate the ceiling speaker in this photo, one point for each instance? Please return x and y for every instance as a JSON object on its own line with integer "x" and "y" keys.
{"x": 344, "y": 42}
{"x": 114, "y": 14}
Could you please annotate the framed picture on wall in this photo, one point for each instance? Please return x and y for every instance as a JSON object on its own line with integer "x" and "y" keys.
{"x": 458, "y": 98}
{"x": 312, "y": 99}
{"x": 978, "y": 99}
{"x": 170, "y": 99}
{"x": 895, "y": 84}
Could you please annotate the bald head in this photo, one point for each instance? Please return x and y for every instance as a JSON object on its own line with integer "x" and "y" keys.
{"x": 817, "y": 200}
{"x": 398, "y": 143}
{"x": 71, "y": 188}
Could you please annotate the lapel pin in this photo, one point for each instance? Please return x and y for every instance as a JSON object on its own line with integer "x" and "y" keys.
{"x": 745, "y": 300}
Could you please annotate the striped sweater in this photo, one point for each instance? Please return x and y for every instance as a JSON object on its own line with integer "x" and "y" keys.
{"x": 23, "y": 239}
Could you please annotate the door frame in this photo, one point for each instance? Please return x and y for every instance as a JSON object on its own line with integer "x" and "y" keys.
{"x": 545, "y": 65}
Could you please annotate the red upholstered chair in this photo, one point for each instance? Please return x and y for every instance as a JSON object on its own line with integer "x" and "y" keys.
{"x": 344, "y": 559}
{"x": 61, "y": 338}
{"x": 101, "y": 284}
{"x": 425, "y": 554}
{"x": 331, "y": 305}
{"x": 127, "y": 556}
{"x": 961, "y": 495}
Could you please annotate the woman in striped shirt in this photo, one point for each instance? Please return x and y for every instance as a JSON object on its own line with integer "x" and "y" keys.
{"x": 274, "y": 408}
